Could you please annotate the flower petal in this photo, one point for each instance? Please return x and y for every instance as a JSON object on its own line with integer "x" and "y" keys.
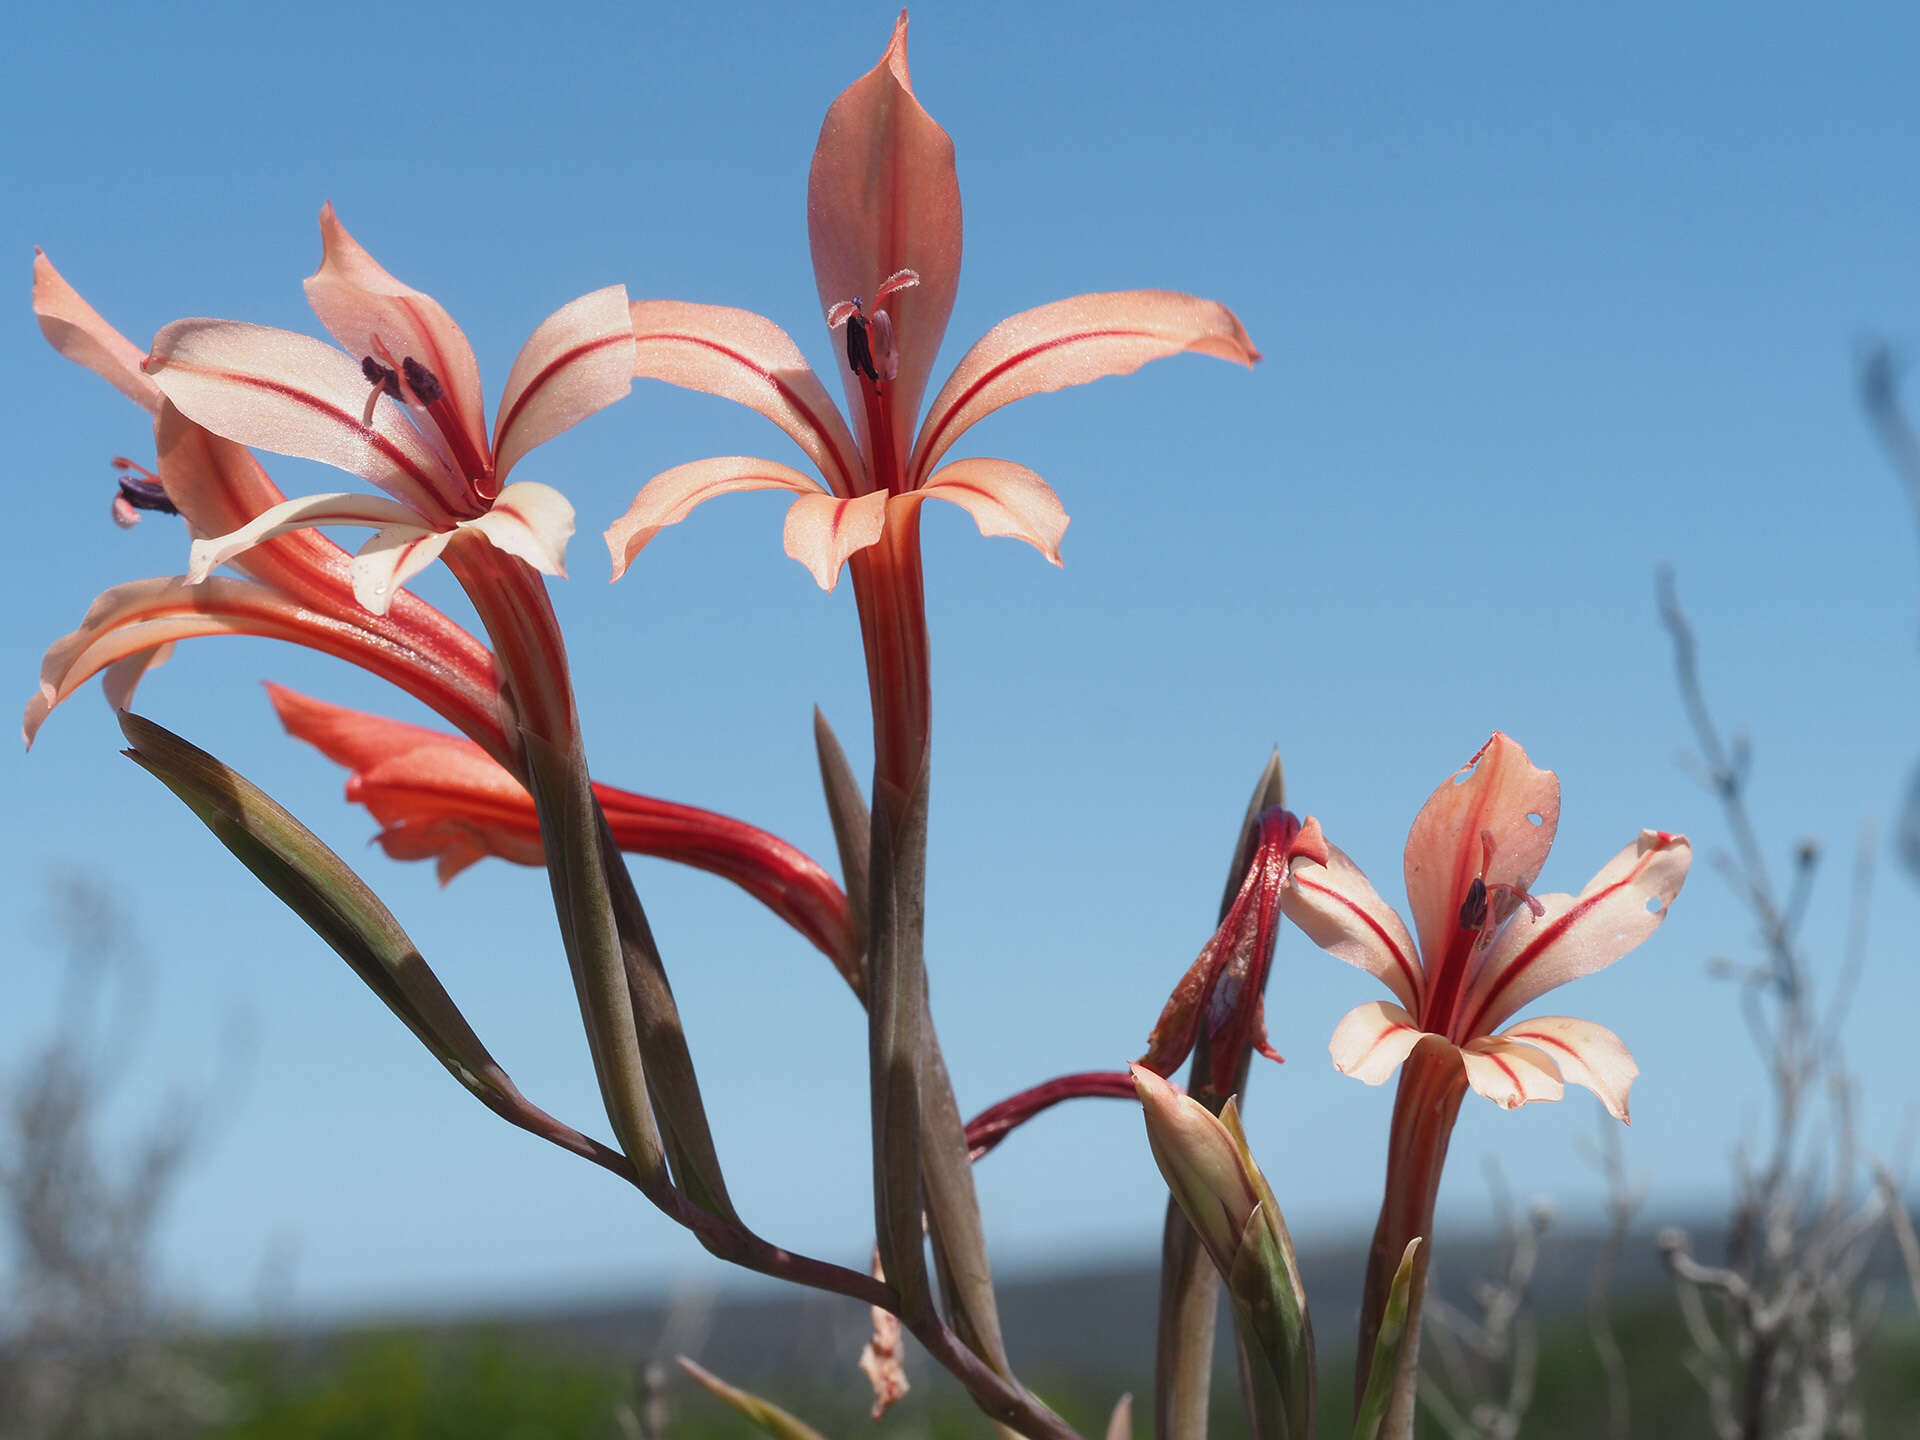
{"x": 1071, "y": 342}
{"x": 882, "y": 197}
{"x": 578, "y": 361}
{"x": 123, "y": 677}
{"x": 1004, "y": 499}
{"x": 296, "y": 395}
{"x": 335, "y": 509}
{"x": 746, "y": 358}
{"x": 531, "y": 521}
{"x": 366, "y": 310}
{"x": 1371, "y": 1040}
{"x": 671, "y": 496}
{"x": 1343, "y": 914}
{"x": 1587, "y": 1054}
{"x": 1577, "y": 935}
{"x": 1510, "y": 1074}
{"x": 351, "y": 738}
{"x": 823, "y": 530}
{"x": 75, "y": 329}
{"x": 1494, "y": 794}
{"x": 392, "y": 556}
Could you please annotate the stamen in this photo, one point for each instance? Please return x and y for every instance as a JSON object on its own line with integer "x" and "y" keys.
{"x": 137, "y": 492}
{"x": 1473, "y": 910}
{"x": 422, "y": 381}
{"x": 880, "y": 347}
{"x": 859, "y": 352}
{"x": 383, "y": 379}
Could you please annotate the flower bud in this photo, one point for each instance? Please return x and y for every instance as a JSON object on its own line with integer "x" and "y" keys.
{"x": 1203, "y": 1166}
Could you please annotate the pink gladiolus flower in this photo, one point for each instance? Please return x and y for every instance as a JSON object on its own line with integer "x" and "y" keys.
{"x": 297, "y": 586}
{"x": 443, "y": 798}
{"x": 883, "y": 217}
{"x": 398, "y": 403}
{"x": 1487, "y": 945}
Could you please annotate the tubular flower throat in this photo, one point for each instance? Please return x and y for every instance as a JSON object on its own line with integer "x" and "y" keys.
{"x": 1487, "y": 945}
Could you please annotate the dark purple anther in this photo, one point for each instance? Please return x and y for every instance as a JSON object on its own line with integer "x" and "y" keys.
{"x": 859, "y": 352}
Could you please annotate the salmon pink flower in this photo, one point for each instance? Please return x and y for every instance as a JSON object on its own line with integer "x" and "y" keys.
{"x": 296, "y": 586}
{"x": 1487, "y": 945}
{"x": 440, "y": 797}
{"x": 398, "y": 403}
{"x": 883, "y": 214}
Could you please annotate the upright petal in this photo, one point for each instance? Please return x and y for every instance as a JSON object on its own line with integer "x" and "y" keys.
{"x": 1344, "y": 915}
{"x": 75, "y": 329}
{"x": 1004, "y": 499}
{"x": 746, "y": 358}
{"x": 1577, "y": 935}
{"x": 1499, "y": 794}
{"x": 366, "y": 310}
{"x": 882, "y": 197}
{"x": 823, "y": 530}
{"x": 296, "y": 395}
{"x": 1586, "y": 1054}
{"x": 336, "y": 509}
{"x": 1511, "y": 1074}
{"x": 578, "y": 361}
{"x": 671, "y": 496}
{"x": 1372, "y": 1039}
{"x": 1071, "y": 342}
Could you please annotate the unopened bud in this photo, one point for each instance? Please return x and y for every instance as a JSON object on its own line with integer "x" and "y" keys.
{"x": 1203, "y": 1166}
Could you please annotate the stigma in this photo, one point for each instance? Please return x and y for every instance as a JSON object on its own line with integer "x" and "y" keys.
{"x": 871, "y": 350}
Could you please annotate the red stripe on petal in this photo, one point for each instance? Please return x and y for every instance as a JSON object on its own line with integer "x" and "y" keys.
{"x": 1407, "y": 968}
{"x": 551, "y": 369}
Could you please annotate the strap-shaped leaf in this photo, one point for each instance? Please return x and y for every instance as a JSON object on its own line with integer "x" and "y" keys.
{"x": 852, "y": 827}
{"x": 764, "y": 1413}
{"x": 319, "y": 887}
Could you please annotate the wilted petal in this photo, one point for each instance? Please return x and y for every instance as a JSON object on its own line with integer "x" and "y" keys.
{"x": 823, "y": 530}
{"x": 1071, "y": 342}
{"x": 1587, "y": 1054}
{"x": 531, "y": 521}
{"x": 1500, "y": 793}
{"x": 1372, "y": 1039}
{"x": 367, "y": 310}
{"x": 671, "y": 496}
{"x": 1510, "y": 1074}
{"x": 882, "y": 197}
{"x": 392, "y": 557}
{"x": 578, "y": 361}
{"x": 1004, "y": 499}
{"x": 746, "y": 358}
{"x": 335, "y": 509}
{"x": 295, "y": 395}
{"x": 1343, "y": 914}
{"x": 75, "y": 329}
{"x": 1578, "y": 935}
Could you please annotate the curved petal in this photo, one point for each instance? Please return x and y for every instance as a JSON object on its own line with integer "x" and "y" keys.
{"x": 391, "y": 557}
{"x": 1493, "y": 794}
{"x": 882, "y": 197}
{"x": 1372, "y": 1039}
{"x": 368, "y": 311}
{"x": 823, "y": 530}
{"x": 123, "y": 677}
{"x": 1510, "y": 1074}
{"x": 578, "y": 361}
{"x": 1071, "y": 342}
{"x": 1577, "y": 935}
{"x": 1586, "y": 1054}
{"x": 671, "y": 496}
{"x": 296, "y": 395}
{"x": 347, "y": 737}
{"x": 75, "y": 329}
{"x": 746, "y": 358}
{"x": 1342, "y": 913}
{"x": 531, "y": 521}
{"x": 335, "y": 509}
{"x": 1004, "y": 499}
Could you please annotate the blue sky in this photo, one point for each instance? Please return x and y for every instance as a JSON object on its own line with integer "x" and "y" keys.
{"x": 1547, "y": 299}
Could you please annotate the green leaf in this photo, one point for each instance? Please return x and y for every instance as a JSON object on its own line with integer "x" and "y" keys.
{"x": 1386, "y": 1348}
{"x": 318, "y": 886}
{"x": 852, "y": 826}
{"x": 764, "y": 1413}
